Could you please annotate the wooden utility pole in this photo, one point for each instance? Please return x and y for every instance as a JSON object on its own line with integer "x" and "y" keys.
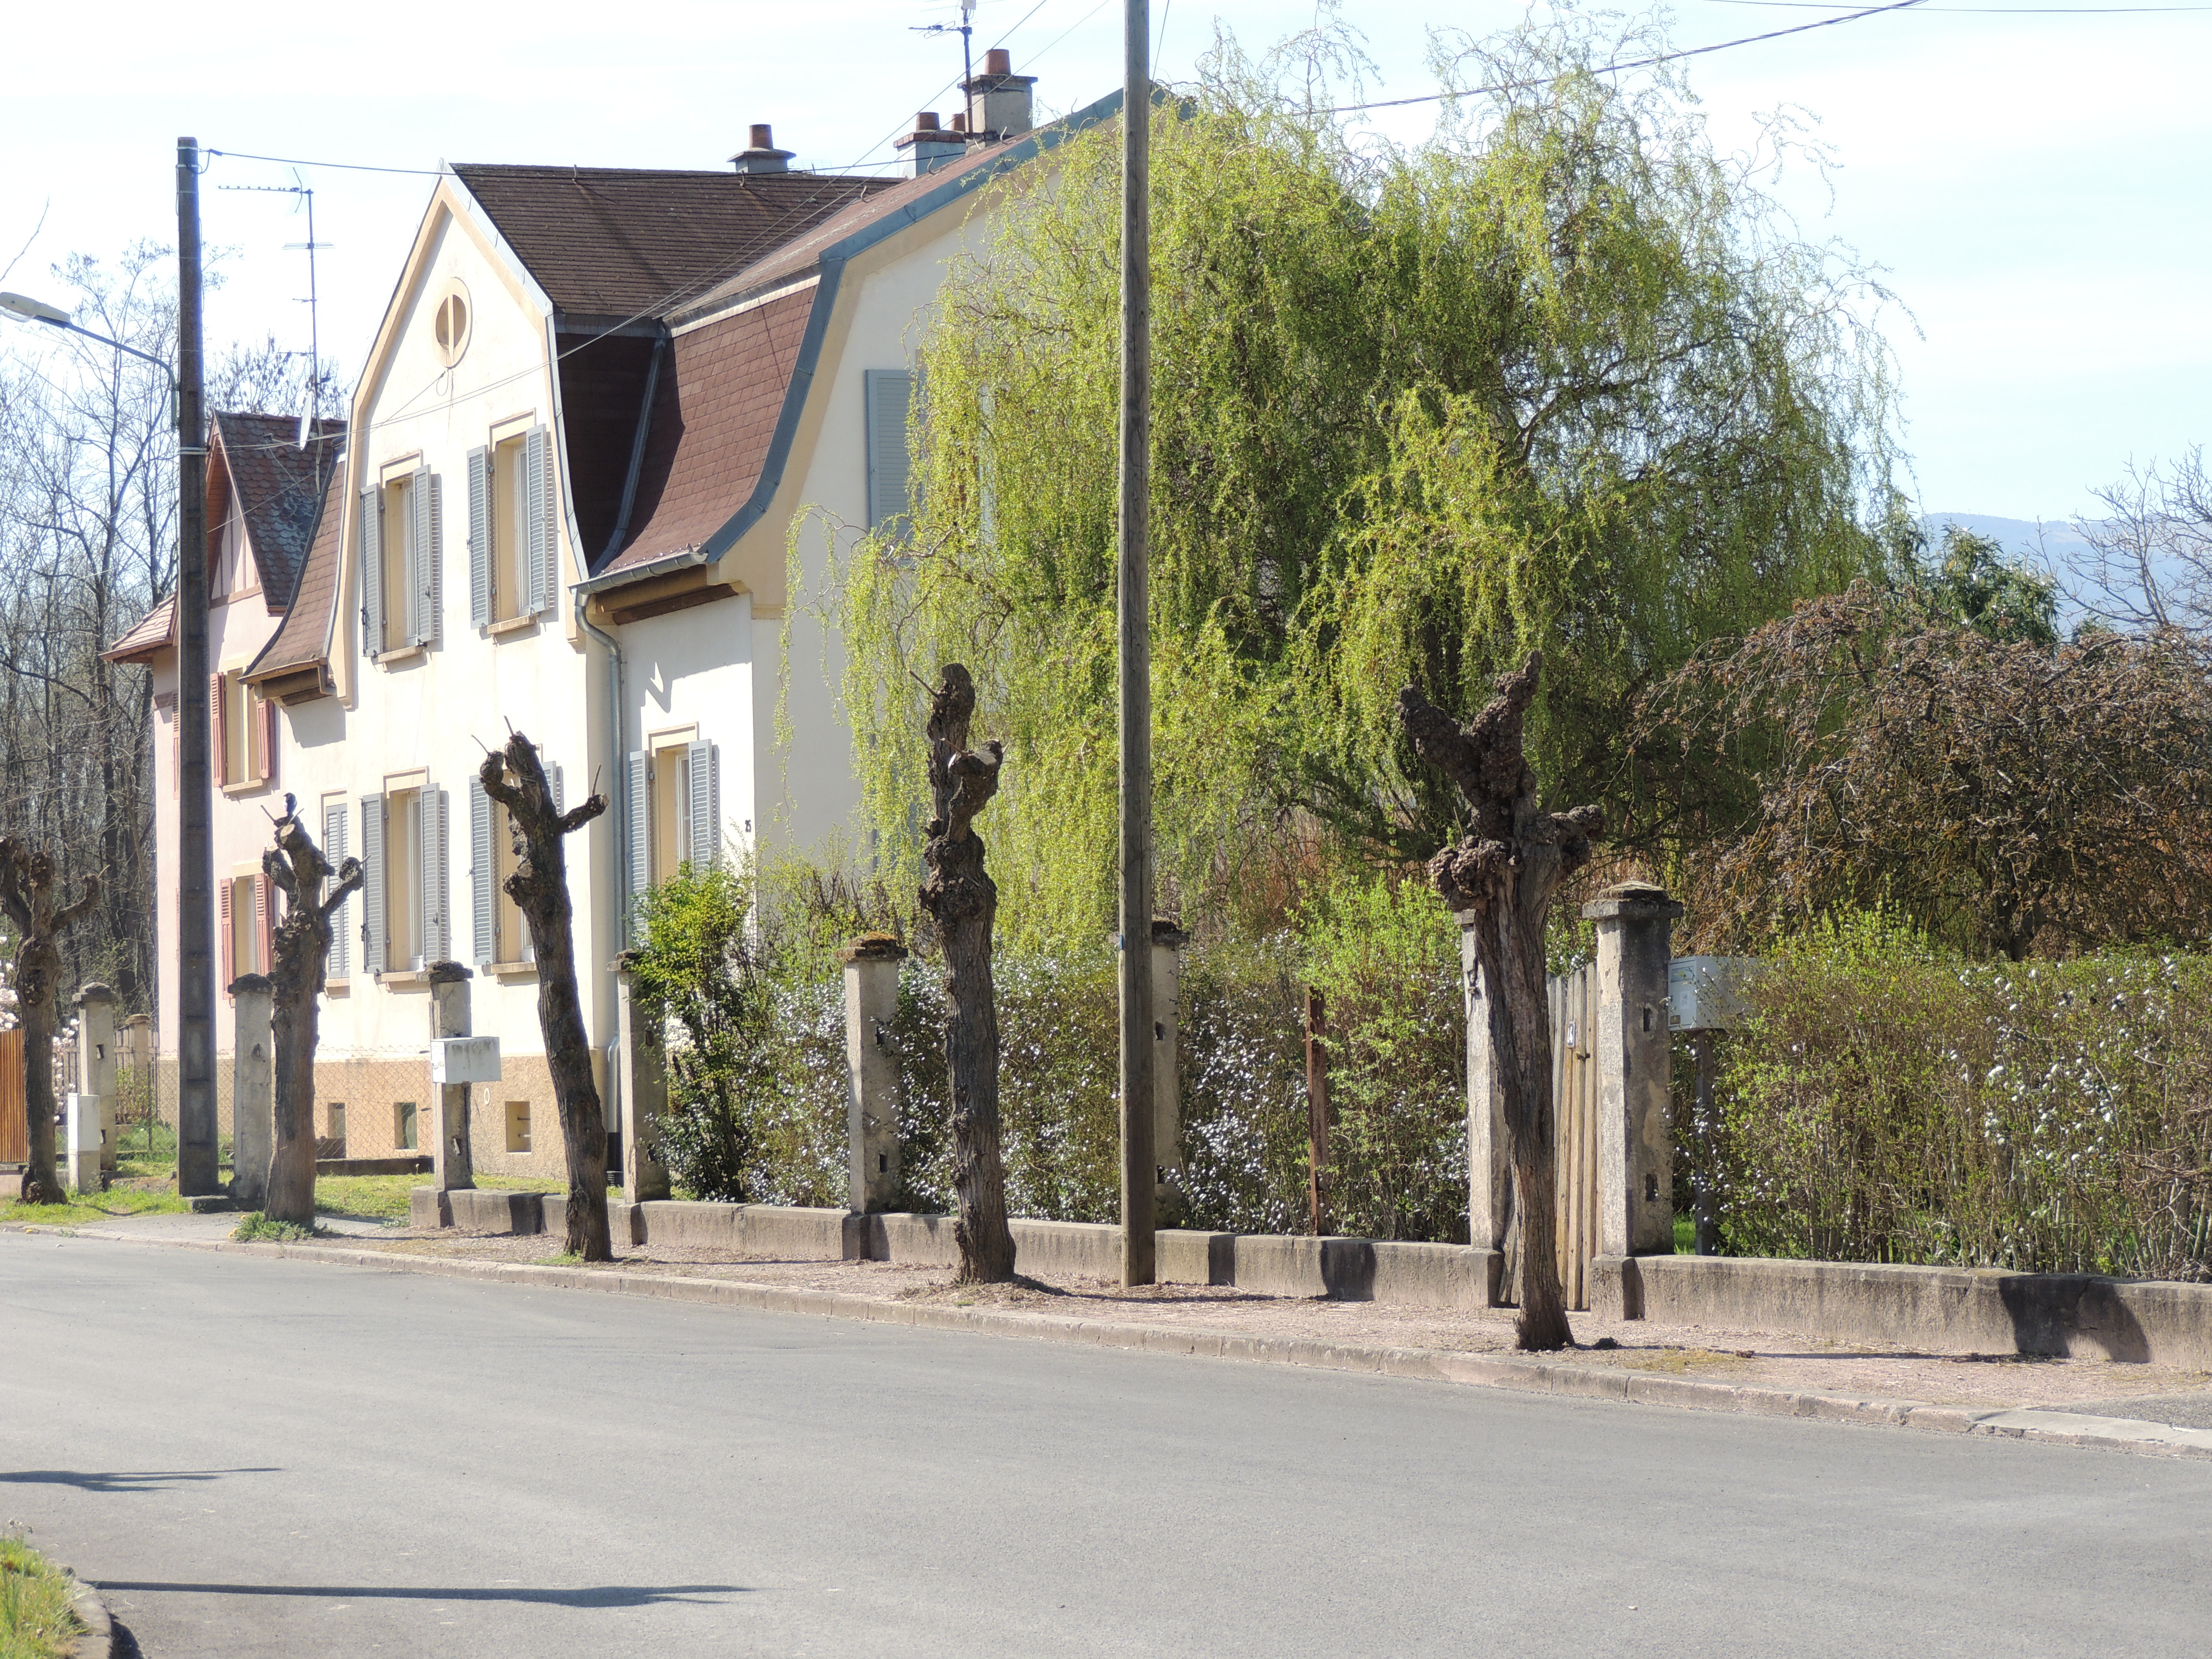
{"x": 198, "y": 1175}
{"x": 1317, "y": 1103}
{"x": 1140, "y": 1173}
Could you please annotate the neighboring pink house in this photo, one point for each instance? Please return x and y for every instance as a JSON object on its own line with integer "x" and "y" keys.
{"x": 267, "y": 493}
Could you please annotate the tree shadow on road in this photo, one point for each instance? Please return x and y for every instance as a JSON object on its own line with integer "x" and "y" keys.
{"x": 120, "y": 1480}
{"x": 589, "y": 1595}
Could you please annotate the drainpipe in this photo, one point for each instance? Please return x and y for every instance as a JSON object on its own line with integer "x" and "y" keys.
{"x": 619, "y": 770}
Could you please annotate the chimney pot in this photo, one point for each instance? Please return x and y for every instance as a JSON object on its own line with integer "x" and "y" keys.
{"x": 960, "y": 121}
{"x": 997, "y": 61}
{"x": 998, "y": 105}
{"x": 763, "y": 136}
{"x": 761, "y": 154}
{"x": 926, "y": 121}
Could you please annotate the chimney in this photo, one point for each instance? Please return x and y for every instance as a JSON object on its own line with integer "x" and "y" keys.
{"x": 931, "y": 144}
{"x": 761, "y": 156}
{"x": 998, "y": 99}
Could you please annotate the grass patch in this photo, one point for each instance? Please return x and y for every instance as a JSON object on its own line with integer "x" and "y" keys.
{"x": 256, "y": 1228}
{"x": 36, "y": 1619}
{"x": 89, "y": 1209}
{"x": 566, "y": 1258}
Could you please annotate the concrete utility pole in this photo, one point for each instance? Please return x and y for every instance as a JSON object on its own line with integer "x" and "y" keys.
{"x": 196, "y": 1172}
{"x": 1138, "y": 1171}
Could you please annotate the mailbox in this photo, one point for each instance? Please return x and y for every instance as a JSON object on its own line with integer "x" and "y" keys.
{"x": 464, "y": 1059}
{"x": 1709, "y": 994}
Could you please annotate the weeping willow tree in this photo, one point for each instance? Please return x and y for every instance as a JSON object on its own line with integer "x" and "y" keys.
{"x": 1559, "y": 379}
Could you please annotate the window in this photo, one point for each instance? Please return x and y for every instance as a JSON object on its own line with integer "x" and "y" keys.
{"x": 403, "y": 1126}
{"x": 501, "y": 933}
{"x": 513, "y": 541}
{"x": 889, "y": 397}
{"x": 243, "y": 925}
{"x": 518, "y": 1126}
{"x": 675, "y": 801}
{"x": 234, "y": 575}
{"x": 450, "y": 321}
{"x": 399, "y": 550}
{"x": 338, "y": 1123}
{"x": 404, "y": 879}
{"x": 244, "y": 749}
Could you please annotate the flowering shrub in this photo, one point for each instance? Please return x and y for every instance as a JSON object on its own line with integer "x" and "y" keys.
{"x": 1887, "y": 1104}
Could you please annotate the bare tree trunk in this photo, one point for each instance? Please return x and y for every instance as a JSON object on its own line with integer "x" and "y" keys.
{"x": 964, "y": 900}
{"x": 1506, "y": 871}
{"x": 299, "y": 870}
{"x": 515, "y": 778}
{"x": 26, "y": 895}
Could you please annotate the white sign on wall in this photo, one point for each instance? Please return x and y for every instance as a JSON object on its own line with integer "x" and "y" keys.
{"x": 464, "y": 1059}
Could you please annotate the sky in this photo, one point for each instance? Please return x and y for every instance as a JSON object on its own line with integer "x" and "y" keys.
{"x": 2032, "y": 182}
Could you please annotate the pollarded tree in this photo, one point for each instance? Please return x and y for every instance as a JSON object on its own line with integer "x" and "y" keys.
{"x": 303, "y": 954}
{"x": 515, "y": 778}
{"x": 1505, "y": 871}
{"x": 28, "y": 894}
{"x": 964, "y": 901}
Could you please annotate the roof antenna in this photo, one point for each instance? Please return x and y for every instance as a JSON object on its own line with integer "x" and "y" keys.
{"x": 313, "y": 353}
{"x": 966, "y": 28}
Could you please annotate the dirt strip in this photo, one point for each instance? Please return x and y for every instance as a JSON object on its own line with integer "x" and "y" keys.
{"x": 1697, "y": 1367}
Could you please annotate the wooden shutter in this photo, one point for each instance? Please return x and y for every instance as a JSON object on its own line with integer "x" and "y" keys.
{"x": 889, "y": 402}
{"x": 425, "y": 588}
{"x": 372, "y": 570}
{"x": 640, "y": 823}
{"x": 436, "y": 888}
{"x": 267, "y": 709}
{"x": 372, "y": 883}
{"x": 219, "y": 720}
{"x": 334, "y": 849}
{"x": 264, "y": 924}
{"x": 545, "y": 543}
{"x": 480, "y": 538}
{"x": 484, "y": 871}
{"x": 706, "y": 806}
{"x": 223, "y": 931}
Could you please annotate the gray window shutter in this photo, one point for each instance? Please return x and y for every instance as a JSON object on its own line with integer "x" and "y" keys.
{"x": 436, "y": 889}
{"x": 544, "y": 545}
{"x": 334, "y": 849}
{"x": 484, "y": 867}
{"x": 372, "y": 883}
{"x": 889, "y": 402}
{"x": 706, "y": 806}
{"x": 425, "y": 588}
{"x": 372, "y": 571}
{"x": 640, "y": 823}
{"x": 480, "y": 538}
{"x": 553, "y": 783}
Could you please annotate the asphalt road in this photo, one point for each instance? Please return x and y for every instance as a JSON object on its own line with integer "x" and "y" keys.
{"x": 265, "y": 1457}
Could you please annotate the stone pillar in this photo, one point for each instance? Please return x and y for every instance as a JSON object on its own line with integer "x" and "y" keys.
{"x": 642, "y": 1080}
{"x": 137, "y": 1036}
{"x": 252, "y": 1106}
{"x": 96, "y": 1059}
{"x": 1635, "y": 1153}
{"x": 1167, "y": 941}
{"x": 452, "y": 1160}
{"x": 81, "y": 1171}
{"x": 872, "y": 1142}
{"x": 1489, "y": 1153}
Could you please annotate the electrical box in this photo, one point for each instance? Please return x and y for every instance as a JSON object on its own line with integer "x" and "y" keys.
{"x": 1710, "y": 993}
{"x": 464, "y": 1059}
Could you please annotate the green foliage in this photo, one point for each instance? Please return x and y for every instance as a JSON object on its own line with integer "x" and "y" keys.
{"x": 37, "y": 1619}
{"x": 256, "y": 1228}
{"x": 1891, "y": 1104}
{"x": 1975, "y": 583}
{"x": 1559, "y": 378}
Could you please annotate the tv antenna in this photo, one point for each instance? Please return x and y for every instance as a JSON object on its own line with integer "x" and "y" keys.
{"x": 965, "y": 28}
{"x": 314, "y": 411}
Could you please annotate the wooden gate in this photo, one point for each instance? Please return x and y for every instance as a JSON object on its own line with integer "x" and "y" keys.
{"x": 1574, "y": 1127}
{"x": 14, "y": 1147}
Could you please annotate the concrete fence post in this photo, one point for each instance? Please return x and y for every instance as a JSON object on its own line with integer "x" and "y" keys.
{"x": 253, "y": 1104}
{"x": 452, "y": 1160}
{"x": 1167, "y": 941}
{"x": 872, "y": 973}
{"x": 96, "y": 1062}
{"x": 1489, "y": 1153}
{"x": 1635, "y": 1149}
{"x": 137, "y": 1036}
{"x": 641, "y": 1081}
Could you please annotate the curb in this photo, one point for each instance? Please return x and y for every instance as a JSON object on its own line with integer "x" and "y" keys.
{"x": 1490, "y": 1370}
{"x": 98, "y": 1641}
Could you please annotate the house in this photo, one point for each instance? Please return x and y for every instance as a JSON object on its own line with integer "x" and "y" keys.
{"x": 270, "y": 483}
{"x": 597, "y": 403}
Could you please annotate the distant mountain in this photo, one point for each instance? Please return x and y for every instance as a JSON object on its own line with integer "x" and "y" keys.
{"x": 2048, "y": 545}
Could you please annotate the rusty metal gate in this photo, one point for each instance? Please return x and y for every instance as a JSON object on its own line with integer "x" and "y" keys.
{"x": 13, "y": 1132}
{"x": 1574, "y": 1128}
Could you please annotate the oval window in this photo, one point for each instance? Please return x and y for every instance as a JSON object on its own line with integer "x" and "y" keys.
{"x": 449, "y": 323}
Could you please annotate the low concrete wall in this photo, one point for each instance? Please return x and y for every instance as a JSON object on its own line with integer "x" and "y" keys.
{"x": 1934, "y": 1309}
{"x": 372, "y": 1166}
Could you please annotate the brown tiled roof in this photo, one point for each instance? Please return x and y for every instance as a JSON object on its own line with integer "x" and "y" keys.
{"x": 279, "y": 483}
{"x": 303, "y": 639}
{"x": 156, "y": 632}
{"x": 714, "y": 413}
{"x": 626, "y": 241}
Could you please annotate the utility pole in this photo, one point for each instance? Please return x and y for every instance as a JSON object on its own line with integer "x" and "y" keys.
{"x": 1139, "y": 1175}
{"x": 198, "y": 1172}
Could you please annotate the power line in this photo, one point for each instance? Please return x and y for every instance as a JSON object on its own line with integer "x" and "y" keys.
{"x": 348, "y": 166}
{"x": 1990, "y": 11}
{"x": 1638, "y": 63}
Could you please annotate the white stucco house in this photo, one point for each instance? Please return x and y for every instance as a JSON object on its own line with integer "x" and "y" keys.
{"x": 597, "y": 403}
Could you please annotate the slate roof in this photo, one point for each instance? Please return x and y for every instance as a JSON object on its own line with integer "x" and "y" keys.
{"x": 615, "y": 242}
{"x": 303, "y": 639}
{"x": 278, "y": 483}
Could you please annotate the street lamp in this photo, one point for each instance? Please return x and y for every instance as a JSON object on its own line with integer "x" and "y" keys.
{"x": 38, "y": 311}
